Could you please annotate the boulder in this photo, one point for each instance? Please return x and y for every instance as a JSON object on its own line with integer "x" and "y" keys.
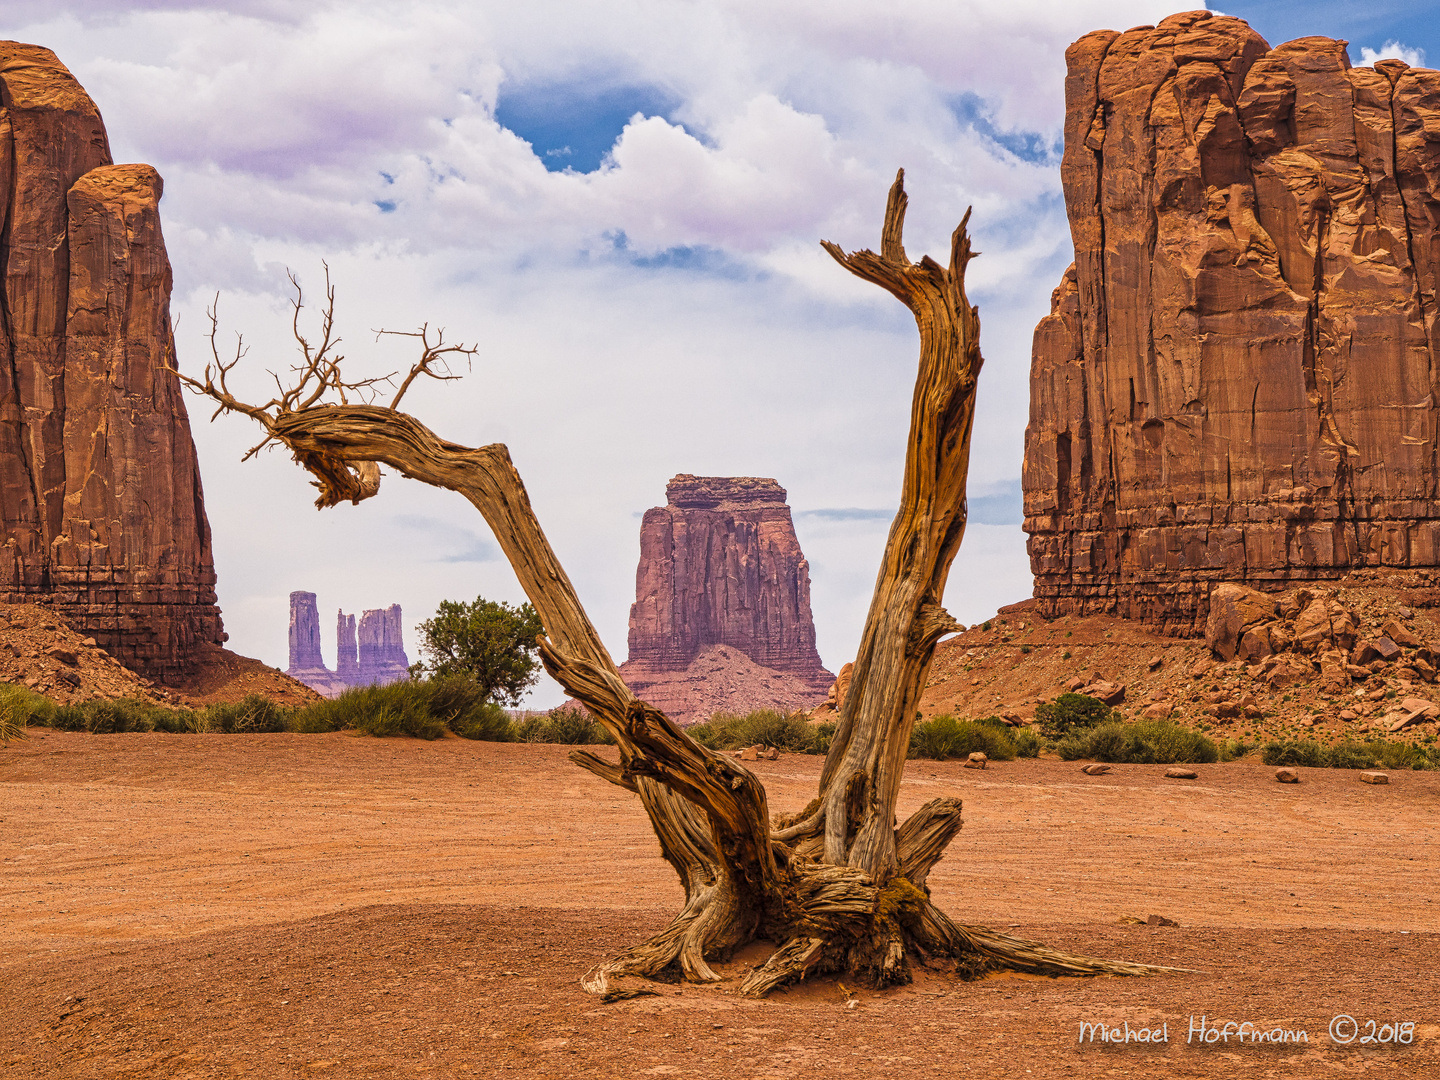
{"x": 1111, "y": 693}
{"x": 1396, "y": 631}
{"x": 1287, "y": 776}
{"x": 1374, "y": 778}
{"x": 1414, "y": 710}
{"x": 1375, "y": 650}
{"x": 1177, "y": 773}
{"x": 976, "y": 760}
{"x": 1095, "y": 769}
{"x": 1234, "y": 609}
{"x": 1324, "y": 623}
{"x": 1287, "y": 670}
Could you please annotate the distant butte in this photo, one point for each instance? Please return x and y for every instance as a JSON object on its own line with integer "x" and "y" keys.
{"x": 721, "y": 619}
{"x": 1238, "y": 378}
{"x": 373, "y": 657}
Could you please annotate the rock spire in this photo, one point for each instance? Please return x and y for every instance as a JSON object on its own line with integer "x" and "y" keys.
{"x": 377, "y": 657}
{"x": 101, "y": 510}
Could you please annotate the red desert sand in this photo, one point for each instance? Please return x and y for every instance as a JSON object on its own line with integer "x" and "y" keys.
{"x": 339, "y": 906}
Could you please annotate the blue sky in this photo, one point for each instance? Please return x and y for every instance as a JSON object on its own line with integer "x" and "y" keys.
{"x": 1365, "y": 25}
{"x": 620, "y": 203}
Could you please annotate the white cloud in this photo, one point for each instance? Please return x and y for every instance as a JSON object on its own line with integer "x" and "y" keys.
{"x": 669, "y": 312}
{"x": 1393, "y": 50}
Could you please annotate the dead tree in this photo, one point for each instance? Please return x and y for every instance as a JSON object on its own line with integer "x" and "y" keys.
{"x": 836, "y": 886}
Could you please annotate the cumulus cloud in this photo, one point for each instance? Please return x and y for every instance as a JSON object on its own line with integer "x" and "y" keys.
{"x": 659, "y": 306}
{"x": 1393, "y": 50}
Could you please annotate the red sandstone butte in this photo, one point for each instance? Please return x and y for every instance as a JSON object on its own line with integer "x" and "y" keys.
{"x": 1237, "y": 380}
{"x": 721, "y": 619}
{"x": 101, "y": 511}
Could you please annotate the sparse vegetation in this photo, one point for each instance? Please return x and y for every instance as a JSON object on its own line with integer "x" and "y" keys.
{"x": 18, "y": 707}
{"x": 1071, "y": 712}
{"x": 946, "y": 737}
{"x": 421, "y": 708}
{"x": 570, "y": 727}
{"x": 1375, "y": 754}
{"x": 1147, "y": 743}
{"x": 784, "y": 731}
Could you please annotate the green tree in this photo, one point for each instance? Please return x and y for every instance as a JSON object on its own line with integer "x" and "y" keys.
{"x": 492, "y": 643}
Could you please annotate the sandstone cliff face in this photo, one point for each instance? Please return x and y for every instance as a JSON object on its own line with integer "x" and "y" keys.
{"x": 100, "y": 500}
{"x": 1237, "y": 380}
{"x": 720, "y": 565}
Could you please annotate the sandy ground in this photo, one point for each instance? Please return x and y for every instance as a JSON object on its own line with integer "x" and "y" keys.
{"x": 329, "y": 905}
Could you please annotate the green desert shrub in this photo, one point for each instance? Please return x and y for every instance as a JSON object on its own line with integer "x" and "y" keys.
{"x": 68, "y": 718}
{"x": 1375, "y": 754}
{"x": 252, "y": 714}
{"x": 1147, "y": 743}
{"x": 945, "y": 737}
{"x": 20, "y": 707}
{"x": 1071, "y": 712}
{"x": 176, "y": 721}
{"x": 398, "y": 708}
{"x": 120, "y": 716}
{"x": 1235, "y": 749}
{"x": 1027, "y": 742}
{"x": 486, "y": 722}
{"x": 569, "y": 727}
{"x": 784, "y": 731}
{"x": 1294, "y": 752}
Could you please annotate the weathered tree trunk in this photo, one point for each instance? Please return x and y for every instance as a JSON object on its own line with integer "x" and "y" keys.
{"x": 837, "y": 886}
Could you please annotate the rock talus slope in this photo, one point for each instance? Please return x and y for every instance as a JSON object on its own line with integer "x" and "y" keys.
{"x": 722, "y": 598}
{"x": 1237, "y": 380}
{"x": 101, "y": 511}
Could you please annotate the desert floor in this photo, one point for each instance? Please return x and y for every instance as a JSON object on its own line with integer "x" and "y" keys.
{"x": 336, "y": 906}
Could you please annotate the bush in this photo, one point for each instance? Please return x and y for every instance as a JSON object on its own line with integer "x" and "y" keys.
{"x": 1234, "y": 749}
{"x": 252, "y": 714}
{"x": 1071, "y": 712}
{"x": 569, "y": 727}
{"x": 486, "y": 722}
{"x": 1294, "y": 752}
{"x": 945, "y": 737}
{"x": 1027, "y": 742}
{"x": 1148, "y": 743}
{"x": 68, "y": 718}
{"x": 119, "y": 716}
{"x": 20, "y": 707}
{"x": 1375, "y": 754}
{"x": 784, "y": 731}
